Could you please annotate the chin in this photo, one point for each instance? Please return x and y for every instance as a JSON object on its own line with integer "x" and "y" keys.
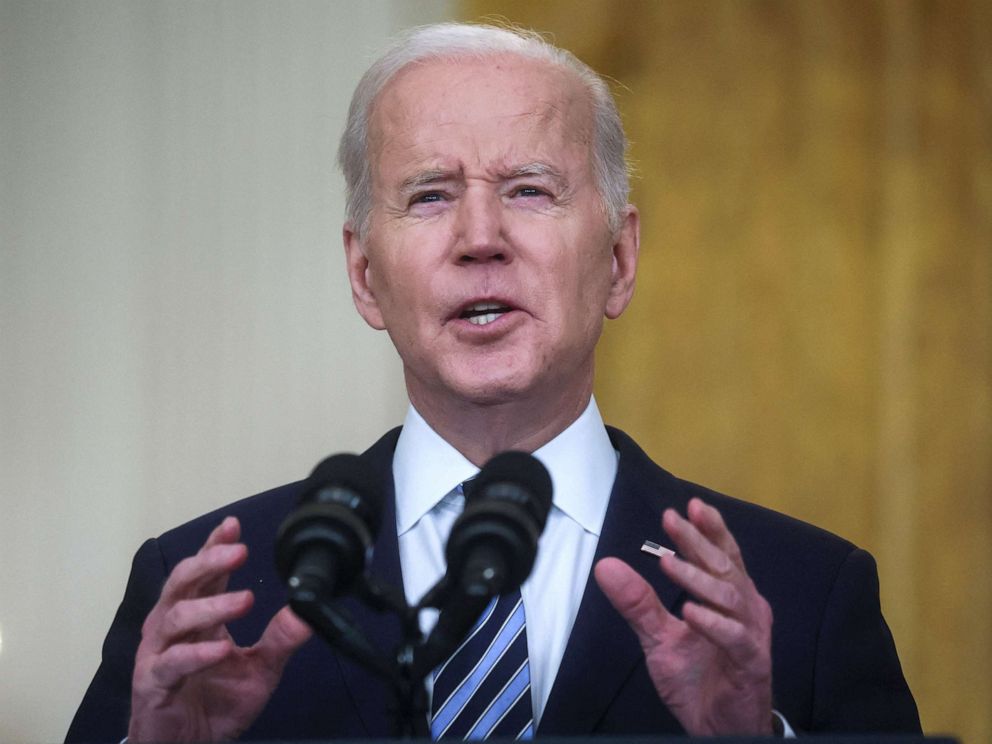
{"x": 492, "y": 395}
{"x": 491, "y": 390}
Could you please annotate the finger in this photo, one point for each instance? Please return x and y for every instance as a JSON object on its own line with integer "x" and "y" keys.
{"x": 202, "y": 617}
{"x": 183, "y": 660}
{"x": 228, "y": 531}
{"x": 201, "y": 574}
{"x": 724, "y": 596}
{"x": 709, "y": 522}
{"x": 696, "y": 548}
{"x": 635, "y": 600}
{"x": 285, "y": 633}
{"x": 743, "y": 645}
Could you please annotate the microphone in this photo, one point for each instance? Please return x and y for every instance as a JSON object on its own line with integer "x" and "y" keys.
{"x": 323, "y": 546}
{"x": 490, "y": 550}
{"x": 493, "y": 543}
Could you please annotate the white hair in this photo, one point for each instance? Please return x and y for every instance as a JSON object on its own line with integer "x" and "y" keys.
{"x": 460, "y": 40}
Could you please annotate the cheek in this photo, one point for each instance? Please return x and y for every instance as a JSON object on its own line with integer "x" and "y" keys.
{"x": 406, "y": 269}
{"x": 584, "y": 281}
{"x": 584, "y": 292}
{"x": 408, "y": 300}
{"x": 388, "y": 280}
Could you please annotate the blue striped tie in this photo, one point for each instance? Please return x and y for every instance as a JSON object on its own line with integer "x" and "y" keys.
{"x": 483, "y": 690}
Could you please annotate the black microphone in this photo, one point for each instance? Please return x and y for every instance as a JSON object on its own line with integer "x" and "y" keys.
{"x": 322, "y": 547}
{"x": 493, "y": 543}
{"x": 490, "y": 550}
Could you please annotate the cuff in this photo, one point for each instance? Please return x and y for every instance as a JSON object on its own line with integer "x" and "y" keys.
{"x": 781, "y": 727}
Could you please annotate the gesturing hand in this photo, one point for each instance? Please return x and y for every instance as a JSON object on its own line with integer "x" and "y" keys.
{"x": 712, "y": 668}
{"x": 191, "y": 682}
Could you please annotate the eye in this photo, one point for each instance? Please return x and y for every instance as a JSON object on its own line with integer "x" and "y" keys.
{"x": 427, "y": 197}
{"x": 529, "y": 191}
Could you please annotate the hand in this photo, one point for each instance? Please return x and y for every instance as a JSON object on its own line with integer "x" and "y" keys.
{"x": 191, "y": 682}
{"x": 712, "y": 668}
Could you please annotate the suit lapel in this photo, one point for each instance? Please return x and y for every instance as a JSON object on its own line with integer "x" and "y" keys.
{"x": 602, "y": 651}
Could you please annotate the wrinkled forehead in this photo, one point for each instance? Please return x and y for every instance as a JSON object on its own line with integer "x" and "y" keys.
{"x": 495, "y": 107}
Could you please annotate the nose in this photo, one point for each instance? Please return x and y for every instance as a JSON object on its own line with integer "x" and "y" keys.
{"x": 481, "y": 230}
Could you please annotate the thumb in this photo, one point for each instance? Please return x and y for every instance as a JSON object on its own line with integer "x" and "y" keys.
{"x": 634, "y": 599}
{"x": 284, "y": 634}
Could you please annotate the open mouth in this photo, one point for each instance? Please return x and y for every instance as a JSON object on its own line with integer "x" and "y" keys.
{"x": 483, "y": 313}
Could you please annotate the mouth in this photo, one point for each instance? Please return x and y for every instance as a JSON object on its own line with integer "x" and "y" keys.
{"x": 484, "y": 313}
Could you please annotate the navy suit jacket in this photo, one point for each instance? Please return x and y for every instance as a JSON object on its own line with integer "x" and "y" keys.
{"x": 834, "y": 662}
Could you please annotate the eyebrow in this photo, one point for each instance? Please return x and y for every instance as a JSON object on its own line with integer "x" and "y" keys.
{"x": 437, "y": 175}
{"x": 535, "y": 169}
{"x": 425, "y": 178}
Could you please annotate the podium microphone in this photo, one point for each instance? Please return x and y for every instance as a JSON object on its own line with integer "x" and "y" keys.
{"x": 491, "y": 548}
{"x": 493, "y": 543}
{"x": 323, "y": 546}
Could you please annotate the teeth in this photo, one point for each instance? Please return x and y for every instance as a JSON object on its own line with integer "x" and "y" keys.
{"x": 483, "y": 313}
{"x": 483, "y": 319}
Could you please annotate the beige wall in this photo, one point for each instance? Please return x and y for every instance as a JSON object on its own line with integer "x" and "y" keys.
{"x": 812, "y": 328}
{"x": 175, "y": 326}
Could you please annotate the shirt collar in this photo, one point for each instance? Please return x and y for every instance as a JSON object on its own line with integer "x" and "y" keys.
{"x": 581, "y": 461}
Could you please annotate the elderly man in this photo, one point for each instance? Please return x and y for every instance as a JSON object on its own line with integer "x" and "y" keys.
{"x": 489, "y": 234}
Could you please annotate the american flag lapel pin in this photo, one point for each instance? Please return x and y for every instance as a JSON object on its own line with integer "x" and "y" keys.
{"x": 655, "y": 549}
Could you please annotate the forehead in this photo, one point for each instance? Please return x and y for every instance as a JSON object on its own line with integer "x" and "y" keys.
{"x": 493, "y": 112}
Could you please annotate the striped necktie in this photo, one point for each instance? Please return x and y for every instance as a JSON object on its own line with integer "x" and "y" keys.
{"x": 483, "y": 690}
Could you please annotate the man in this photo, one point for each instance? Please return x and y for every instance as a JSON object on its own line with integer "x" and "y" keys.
{"x": 489, "y": 234}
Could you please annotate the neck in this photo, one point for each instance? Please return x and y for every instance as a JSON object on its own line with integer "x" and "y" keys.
{"x": 481, "y": 430}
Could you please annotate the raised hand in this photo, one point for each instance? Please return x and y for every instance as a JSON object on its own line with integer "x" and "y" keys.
{"x": 712, "y": 668}
{"x": 191, "y": 681}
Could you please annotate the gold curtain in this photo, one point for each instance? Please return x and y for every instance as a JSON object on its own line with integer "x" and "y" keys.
{"x": 812, "y": 328}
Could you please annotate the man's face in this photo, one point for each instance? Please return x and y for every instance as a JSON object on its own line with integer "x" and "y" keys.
{"x": 488, "y": 258}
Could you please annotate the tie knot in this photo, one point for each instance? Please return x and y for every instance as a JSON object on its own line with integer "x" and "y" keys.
{"x": 454, "y": 500}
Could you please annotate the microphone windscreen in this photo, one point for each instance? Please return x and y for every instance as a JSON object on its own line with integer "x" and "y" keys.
{"x": 353, "y": 475}
{"x": 524, "y": 471}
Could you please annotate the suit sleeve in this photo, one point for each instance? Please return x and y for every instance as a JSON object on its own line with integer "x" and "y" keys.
{"x": 105, "y": 710}
{"x": 859, "y": 686}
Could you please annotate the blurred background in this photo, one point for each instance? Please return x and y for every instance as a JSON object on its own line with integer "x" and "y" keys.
{"x": 812, "y": 328}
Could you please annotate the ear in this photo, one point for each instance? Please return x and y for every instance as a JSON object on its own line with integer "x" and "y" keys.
{"x": 358, "y": 276}
{"x": 626, "y": 245}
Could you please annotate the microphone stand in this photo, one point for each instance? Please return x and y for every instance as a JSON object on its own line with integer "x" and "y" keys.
{"x": 416, "y": 655}
{"x": 410, "y": 695}
{"x": 337, "y": 628}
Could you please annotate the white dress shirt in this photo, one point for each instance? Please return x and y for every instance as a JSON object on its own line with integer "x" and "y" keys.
{"x": 583, "y": 466}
